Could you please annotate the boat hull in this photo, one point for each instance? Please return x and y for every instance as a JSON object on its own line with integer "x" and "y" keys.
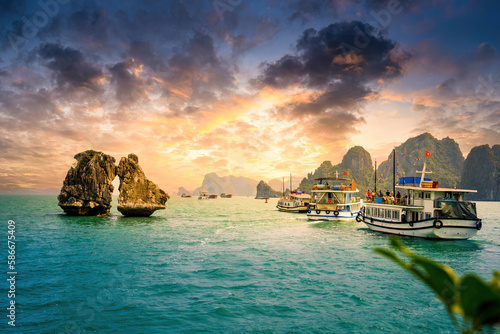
{"x": 449, "y": 228}
{"x": 330, "y": 215}
{"x": 296, "y": 209}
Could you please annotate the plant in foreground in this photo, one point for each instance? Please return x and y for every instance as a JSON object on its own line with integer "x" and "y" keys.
{"x": 477, "y": 301}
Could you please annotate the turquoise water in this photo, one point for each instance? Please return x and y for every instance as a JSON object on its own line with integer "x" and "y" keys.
{"x": 221, "y": 266}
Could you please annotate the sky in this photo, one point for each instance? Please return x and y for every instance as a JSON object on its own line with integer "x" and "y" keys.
{"x": 258, "y": 89}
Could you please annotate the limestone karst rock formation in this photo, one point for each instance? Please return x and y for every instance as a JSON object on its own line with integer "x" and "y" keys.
{"x": 138, "y": 195}
{"x": 87, "y": 189}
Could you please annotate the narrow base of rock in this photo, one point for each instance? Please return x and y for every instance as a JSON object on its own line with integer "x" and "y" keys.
{"x": 139, "y": 210}
{"x": 85, "y": 210}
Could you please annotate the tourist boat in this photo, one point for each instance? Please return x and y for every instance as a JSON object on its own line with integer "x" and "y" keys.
{"x": 425, "y": 211}
{"x": 334, "y": 198}
{"x": 296, "y": 202}
{"x": 203, "y": 195}
{"x": 212, "y": 196}
{"x": 224, "y": 195}
{"x": 185, "y": 196}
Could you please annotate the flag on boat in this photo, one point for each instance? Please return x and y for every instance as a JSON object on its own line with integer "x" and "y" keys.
{"x": 427, "y": 153}
{"x": 345, "y": 173}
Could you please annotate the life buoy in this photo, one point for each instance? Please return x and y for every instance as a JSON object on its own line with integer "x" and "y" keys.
{"x": 308, "y": 210}
{"x": 479, "y": 225}
{"x": 318, "y": 211}
{"x": 335, "y": 213}
{"x": 410, "y": 223}
{"x": 329, "y": 201}
{"x": 327, "y": 212}
{"x": 358, "y": 218}
{"x": 438, "y": 224}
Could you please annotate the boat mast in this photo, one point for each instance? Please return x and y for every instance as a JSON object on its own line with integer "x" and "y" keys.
{"x": 290, "y": 183}
{"x": 375, "y": 175}
{"x": 283, "y": 186}
{"x": 394, "y": 171}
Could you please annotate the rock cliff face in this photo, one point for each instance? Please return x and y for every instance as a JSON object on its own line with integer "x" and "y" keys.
{"x": 446, "y": 161}
{"x": 482, "y": 173}
{"x": 357, "y": 163}
{"x": 264, "y": 190}
{"x": 138, "y": 195}
{"x": 87, "y": 189}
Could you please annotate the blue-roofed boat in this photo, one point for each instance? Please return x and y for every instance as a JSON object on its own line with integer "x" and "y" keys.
{"x": 334, "y": 198}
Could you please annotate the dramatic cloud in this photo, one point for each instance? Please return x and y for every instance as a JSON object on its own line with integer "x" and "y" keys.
{"x": 70, "y": 68}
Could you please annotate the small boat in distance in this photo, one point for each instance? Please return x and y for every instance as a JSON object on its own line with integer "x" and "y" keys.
{"x": 334, "y": 198}
{"x": 296, "y": 202}
{"x": 224, "y": 195}
{"x": 212, "y": 196}
{"x": 185, "y": 196}
{"x": 425, "y": 211}
{"x": 203, "y": 195}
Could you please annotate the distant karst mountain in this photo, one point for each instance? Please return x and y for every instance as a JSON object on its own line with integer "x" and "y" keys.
{"x": 482, "y": 172}
{"x": 446, "y": 161}
{"x": 357, "y": 164}
{"x": 238, "y": 186}
{"x": 183, "y": 190}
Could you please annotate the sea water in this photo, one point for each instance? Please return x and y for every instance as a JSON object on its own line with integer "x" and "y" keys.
{"x": 220, "y": 266}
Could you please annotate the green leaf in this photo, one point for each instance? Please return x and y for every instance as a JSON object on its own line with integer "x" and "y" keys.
{"x": 480, "y": 301}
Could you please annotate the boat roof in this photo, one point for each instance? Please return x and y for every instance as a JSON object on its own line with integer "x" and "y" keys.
{"x": 438, "y": 189}
{"x": 333, "y": 178}
{"x": 301, "y": 195}
{"x": 334, "y": 191}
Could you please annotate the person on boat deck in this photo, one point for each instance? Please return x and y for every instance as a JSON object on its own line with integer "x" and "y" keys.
{"x": 398, "y": 197}
{"x": 392, "y": 197}
{"x": 387, "y": 193}
{"x": 406, "y": 199}
{"x": 368, "y": 194}
{"x": 380, "y": 194}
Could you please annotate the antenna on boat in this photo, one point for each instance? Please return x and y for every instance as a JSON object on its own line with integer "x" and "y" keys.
{"x": 336, "y": 174}
{"x": 291, "y": 183}
{"x": 283, "y": 186}
{"x": 375, "y": 175}
{"x": 394, "y": 171}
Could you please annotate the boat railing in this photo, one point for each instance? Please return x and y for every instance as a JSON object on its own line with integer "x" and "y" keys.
{"x": 387, "y": 200}
{"x": 332, "y": 187}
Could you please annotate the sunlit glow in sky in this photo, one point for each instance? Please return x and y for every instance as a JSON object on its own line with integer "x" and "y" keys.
{"x": 251, "y": 88}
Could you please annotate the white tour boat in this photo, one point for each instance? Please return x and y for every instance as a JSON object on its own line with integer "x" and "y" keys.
{"x": 425, "y": 210}
{"x": 296, "y": 202}
{"x": 334, "y": 199}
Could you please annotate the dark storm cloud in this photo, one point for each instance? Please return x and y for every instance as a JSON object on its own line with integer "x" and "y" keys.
{"x": 347, "y": 50}
{"x": 341, "y": 61}
{"x": 129, "y": 87}
{"x": 69, "y": 67}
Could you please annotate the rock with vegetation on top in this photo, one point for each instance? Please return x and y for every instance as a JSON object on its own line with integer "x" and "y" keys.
{"x": 87, "y": 189}
{"x": 139, "y": 196}
{"x": 482, "y": 173}
{"x": 265, "y": 191}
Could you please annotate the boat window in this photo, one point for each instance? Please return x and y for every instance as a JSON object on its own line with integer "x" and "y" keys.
{"x": 369, "y": 211}
{"x": 427, "y": 195}
{"x": 388, "y": 214}
{"x": 381, "y": 213}
{"x": 427, "y": 215}
{"x": 395, "y": 215}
